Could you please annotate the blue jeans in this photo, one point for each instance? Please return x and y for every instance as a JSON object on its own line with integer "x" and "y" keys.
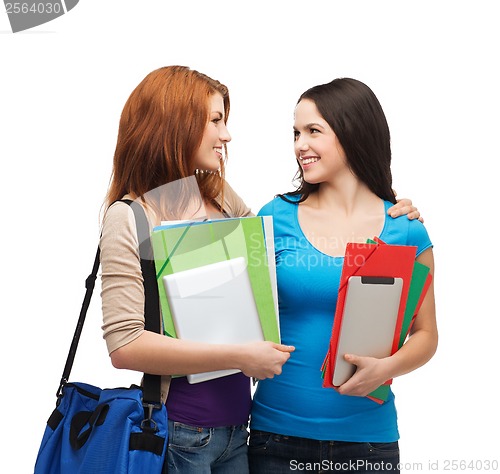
{"x": 194, "y": 450}
{"x": 276, "y": 454}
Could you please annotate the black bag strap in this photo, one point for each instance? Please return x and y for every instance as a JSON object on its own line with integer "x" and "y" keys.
{"x": 89, "y": 285}
{"x": 151, "y": 383}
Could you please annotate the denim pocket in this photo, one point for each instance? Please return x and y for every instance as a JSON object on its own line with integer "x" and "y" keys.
{"x": 188, "y": 437}
{"x": 241, "y": 434}
{"x": 389, "y": 448}
{"x": 259, "y": 440}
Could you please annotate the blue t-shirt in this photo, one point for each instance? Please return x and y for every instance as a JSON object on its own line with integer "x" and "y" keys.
{"x": 295, "y": 403}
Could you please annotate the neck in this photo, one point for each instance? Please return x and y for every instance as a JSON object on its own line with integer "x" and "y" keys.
{"x": 346, "y": 197}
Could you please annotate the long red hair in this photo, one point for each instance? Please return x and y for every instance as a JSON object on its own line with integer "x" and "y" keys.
{"x": 161, "y": 128}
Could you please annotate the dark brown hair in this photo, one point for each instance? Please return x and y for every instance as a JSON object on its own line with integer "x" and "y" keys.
{"x": 355, "y": 115}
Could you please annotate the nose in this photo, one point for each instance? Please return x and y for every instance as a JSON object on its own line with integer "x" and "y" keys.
{"x": 224, "y": 135}
{"x": 300, "y": 143}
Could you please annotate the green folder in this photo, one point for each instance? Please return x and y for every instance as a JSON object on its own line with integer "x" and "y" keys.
{"x": 418, "y": 281}
{"x": 187, "y": 245}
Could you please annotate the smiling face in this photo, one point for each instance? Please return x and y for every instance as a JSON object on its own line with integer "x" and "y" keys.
{"x": 216, "y": 134}
{"x": 317, "y": 148}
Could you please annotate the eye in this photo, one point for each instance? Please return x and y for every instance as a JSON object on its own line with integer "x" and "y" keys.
{"x": 296, "y": 135}
{"x": 313, "y": 130}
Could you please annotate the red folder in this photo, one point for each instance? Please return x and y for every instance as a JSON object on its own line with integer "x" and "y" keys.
{"x": 372, "y": 260}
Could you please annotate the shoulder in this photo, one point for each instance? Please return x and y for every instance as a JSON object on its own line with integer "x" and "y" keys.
{"x": 267, "y": 209}
{"x": 278, "y": 206}
{"x": 408, "y": 232}
{"x": 119, "y": 214}
{"x": 118, "y": 226}
{"x": 418, "y": 235}
{"x": 233, "y": 203}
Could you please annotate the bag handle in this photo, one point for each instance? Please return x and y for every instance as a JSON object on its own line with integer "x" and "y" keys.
{"x": 151, "y": 383}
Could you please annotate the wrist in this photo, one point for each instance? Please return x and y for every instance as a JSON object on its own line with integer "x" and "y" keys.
{"x": 389, "y": 367}
{"x": 234, "y": 356}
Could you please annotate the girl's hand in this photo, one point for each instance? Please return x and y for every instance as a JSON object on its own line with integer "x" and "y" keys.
{"x": 263, "y": 360}
{"x": 405, "y": 207}
{"x": 370, "y": 374}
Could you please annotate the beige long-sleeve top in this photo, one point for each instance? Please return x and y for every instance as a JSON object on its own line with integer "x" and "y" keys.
{"x": 122, "y": 282}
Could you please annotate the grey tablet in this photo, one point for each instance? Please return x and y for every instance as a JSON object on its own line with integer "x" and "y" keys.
{"x": 214, "y": 303}
{"x": 368, "y": 322}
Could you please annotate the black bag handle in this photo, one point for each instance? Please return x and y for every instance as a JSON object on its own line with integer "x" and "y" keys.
{"x": 151, "y": 383}
{"x": 86, "y": 419}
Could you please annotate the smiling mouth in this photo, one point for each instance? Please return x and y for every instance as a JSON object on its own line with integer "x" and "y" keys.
{"x": 309, "y": 160}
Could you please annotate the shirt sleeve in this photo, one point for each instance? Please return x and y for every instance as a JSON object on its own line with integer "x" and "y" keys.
{"x": 122, "y": 282}
{"x": 417, "y": 235}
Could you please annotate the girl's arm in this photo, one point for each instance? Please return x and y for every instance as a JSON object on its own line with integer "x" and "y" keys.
{"x": 418, "y": 349}
{"x": 157, "y": 354}
{"x": 132, "y": 347}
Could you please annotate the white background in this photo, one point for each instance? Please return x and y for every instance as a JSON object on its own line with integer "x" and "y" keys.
{"x": 432, "y": 64}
